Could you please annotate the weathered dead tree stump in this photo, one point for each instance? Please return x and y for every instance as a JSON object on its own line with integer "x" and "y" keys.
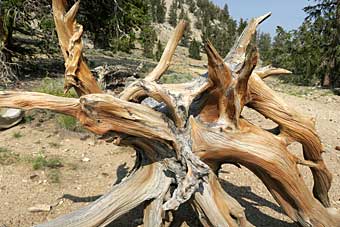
{"x": 182, "y": 142}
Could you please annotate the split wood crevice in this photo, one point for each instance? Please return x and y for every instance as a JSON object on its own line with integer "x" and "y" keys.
{"x": 182, "y": 141}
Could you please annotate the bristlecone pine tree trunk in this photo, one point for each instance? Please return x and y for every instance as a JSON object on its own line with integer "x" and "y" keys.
{"x": 182, "y": 142}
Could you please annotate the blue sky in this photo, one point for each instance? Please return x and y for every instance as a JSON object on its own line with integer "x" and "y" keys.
{"x": 288, "y": 13}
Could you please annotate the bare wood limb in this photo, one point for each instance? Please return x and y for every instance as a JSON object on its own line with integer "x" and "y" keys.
{"x": 153, "y": 212}
{"x": 216, "y": 207}
{"x": 295, "y": 126}
{"x": 150, "y": 181}
{"x": 77, "y": 73}
{"x": 168, "y": 52}
{"x": 270, "y": 161}
{"x": 132, "y": 92}
{"x": 269, "y": 70}
{"x": 99, "y": 113}
{"x": 34, "y": 100}
{"x": 236, "y": 55}
{"x": 292, "y": 124}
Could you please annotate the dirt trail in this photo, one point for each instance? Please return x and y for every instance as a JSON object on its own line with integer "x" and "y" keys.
{"x": 90, "y": 166}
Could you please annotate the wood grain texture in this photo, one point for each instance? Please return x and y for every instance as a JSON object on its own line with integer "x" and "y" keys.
{"x": 182, "y": 142}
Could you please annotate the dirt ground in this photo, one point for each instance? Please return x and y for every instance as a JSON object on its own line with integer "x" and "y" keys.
{"x": 89, "y": 166}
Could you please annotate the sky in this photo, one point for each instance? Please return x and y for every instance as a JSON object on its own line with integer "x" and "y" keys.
{"x": 287, "y": 14}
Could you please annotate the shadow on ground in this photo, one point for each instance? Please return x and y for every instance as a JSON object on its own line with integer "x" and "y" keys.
{"x": 244, "y": 195}
{"x": 250, "y": 201}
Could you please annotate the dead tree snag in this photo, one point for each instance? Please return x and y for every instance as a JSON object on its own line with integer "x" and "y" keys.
{"x": 182, "y": 142}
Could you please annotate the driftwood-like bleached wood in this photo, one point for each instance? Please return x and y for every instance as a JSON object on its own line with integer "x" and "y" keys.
{"x": 182, "y": 142}
{"x": 77, "y": 73}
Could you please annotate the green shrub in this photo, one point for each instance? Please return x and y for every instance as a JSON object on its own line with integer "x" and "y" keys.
{"x": 194, "y": 50}
{"x": 176, "y": 78}
{"x": 17, "y": 135}
{"x": 68, "y": 122}
{"x": 54, "y": 86}
{"x": 41, "y": 162}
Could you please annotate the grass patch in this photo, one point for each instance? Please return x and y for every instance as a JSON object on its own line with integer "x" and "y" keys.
{"x": 69, "y": 123}
{"x": 54, "y": 176}
{"x": 7, "y": 157}
{"x": 28, "y": 118}
{"x": 41, "y": 162}
{"x": 3, "y": 149}
{"x": 54, "y": 86}
{"x": 176, "y": 78}
{"x": 17, "y": 135}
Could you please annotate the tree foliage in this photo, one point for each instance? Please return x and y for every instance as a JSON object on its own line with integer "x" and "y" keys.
{"x": 312, "y": 51}
{"x": 148, "y": 38}
{"x": 194, "y": 50}
{"x": 158, "y": 10}
{"x": 173, "y": 14}
{"x": 216, "y": 25}
{"x": 264, "y": 45}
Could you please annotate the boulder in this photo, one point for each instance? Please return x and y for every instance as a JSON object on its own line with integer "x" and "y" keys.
{"x": 10, "y": 117}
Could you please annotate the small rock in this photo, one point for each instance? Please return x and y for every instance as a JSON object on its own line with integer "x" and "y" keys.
{"x": 91, "y": 143}
{"x": 337, "y": 148}
{"x": 85, "y": 159}
{"x": 84, "y": 137}
{"x": 34, "y": 176}
{"x": 40, "y": 208}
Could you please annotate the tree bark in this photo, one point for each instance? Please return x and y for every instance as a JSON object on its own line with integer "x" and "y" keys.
{"x": 182, "y": 142}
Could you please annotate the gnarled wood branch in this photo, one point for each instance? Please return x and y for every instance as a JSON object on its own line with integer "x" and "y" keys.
{"x": 198, "y": 128}
{"x": 77, "y": 74}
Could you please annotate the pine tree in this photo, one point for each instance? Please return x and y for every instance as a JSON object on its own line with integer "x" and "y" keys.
{"x": 325, "y": 19}
{"x": 158, "y": 10}
{"x": 192, "y": 5}
{"x": 281, "y": 54}
{"x": 187, "y": 33}
{"x": 148, "y": 38}
{"x": 173, "y": 14}
{"x": 194, "y": 50}
{"x": 161, "y": 11}
{"x": 264, "y": 45}
{"x": 159, "y": 51}
{"x": 241, "y": 25}
{"x": 226, "y": 10}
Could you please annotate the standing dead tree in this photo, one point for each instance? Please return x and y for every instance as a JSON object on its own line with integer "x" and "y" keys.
{"x": 182, "y": 142}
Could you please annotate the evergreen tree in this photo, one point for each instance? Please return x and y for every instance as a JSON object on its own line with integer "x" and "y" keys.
{"x": 281, "y": 54}
{"x": 108, "y": 21}
{"x": 241, "y": 25}
{"x": 264, "y": 45}
{"x": 173, "y": 14}
{"x": 159, "y": 51}
{"x": 325, "y": 19}
{"x": 187, "y": 33}
{"x": 148, "y": 39}
{"x": 158, "y": 10}
{"x": 161, "y": 11}
{"x": 192, "y": 5}
{"x": 226, "y": 10}
{"x": 194, "y": 50}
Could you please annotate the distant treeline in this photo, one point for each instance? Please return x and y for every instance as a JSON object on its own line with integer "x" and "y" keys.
{"x": 312, "y": 51}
